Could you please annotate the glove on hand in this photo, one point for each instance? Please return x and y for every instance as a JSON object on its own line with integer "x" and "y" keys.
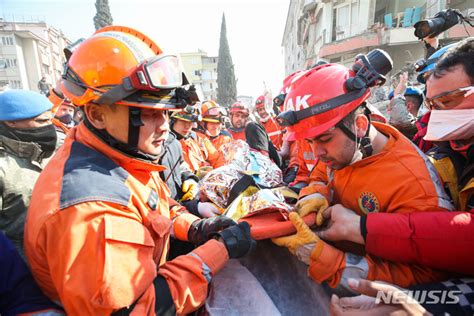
{"x": 302, "y": 243}
{"x": 190, "y": 189}
{"x": 312, "y": 203}
{"x": 237, "y": 240}
{"x": 203, "y": 229}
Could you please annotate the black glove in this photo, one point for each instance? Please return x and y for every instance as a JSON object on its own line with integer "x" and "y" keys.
{"x": 203, "y": 229}
{"x": 298, "y": 186}
{"x": 290, "y": 174}
{"x": 237, "y": 240}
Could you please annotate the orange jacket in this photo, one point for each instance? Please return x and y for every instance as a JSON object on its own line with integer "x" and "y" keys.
{"x": 97, "y": 234}
{"x": 399, "y": 179}
{"x": 198, "y": 151}
{"x": 306, "y": 161}
{"x": 274, "y": 131}
{"x": 217, "y": 141}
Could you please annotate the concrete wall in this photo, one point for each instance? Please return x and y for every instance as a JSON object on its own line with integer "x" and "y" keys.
{"x": 32, "y": 63}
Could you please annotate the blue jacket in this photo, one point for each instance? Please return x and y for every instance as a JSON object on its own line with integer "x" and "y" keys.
{"x": 18, "y": 290}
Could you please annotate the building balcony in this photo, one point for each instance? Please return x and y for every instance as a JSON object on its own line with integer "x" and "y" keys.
{"x": 354, "y": 43}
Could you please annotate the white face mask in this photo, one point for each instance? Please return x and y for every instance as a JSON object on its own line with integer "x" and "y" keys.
{"x": 450, "y": 125}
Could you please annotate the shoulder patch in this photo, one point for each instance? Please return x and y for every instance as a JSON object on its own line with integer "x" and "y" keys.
{"x": 91, "y": 176}
{"x": 368, "y": 202}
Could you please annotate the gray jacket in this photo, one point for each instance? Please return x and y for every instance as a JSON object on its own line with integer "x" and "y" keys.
{"x": 401, "y": 118}
{"x": 20, "y": 166}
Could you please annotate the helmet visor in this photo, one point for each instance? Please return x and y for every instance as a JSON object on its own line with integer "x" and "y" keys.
{"x": 164, "y": 72}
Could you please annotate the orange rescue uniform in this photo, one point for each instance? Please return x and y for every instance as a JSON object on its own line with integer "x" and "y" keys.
{"x": 274, "y": 131}
{"x": 399, "y": 179}
{"x": 198, "y": 152}
{"x": 217, "y": 141}
{"x": 97, "y": 234}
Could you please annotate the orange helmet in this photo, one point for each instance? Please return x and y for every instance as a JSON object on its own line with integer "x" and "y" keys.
{"x": 119, "y": 65}
{"x": 260, "y": 102}
{"x": 212, "y": 112}
{"x": 239, "y": 107}
{"x": 321, "y": 97}
{"x": 56, "y": 97}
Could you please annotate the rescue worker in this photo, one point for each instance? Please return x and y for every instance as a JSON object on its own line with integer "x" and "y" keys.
{"x": 274, "y": 131}
{"x": 425, "y": 69}
{"x": 353, "y": 155}
{"x": 239, "y": 117}
{"x": 183, "y": 184}
{"x": 302, "y": 165}
{"x": 27, "y": 139}
{"x": 452, "y": 107}
{"x": 212, "y": 123}
{"x": 64, "y": 112}
{"x": 198, "y": 151}
{"x": 100, "y": 217}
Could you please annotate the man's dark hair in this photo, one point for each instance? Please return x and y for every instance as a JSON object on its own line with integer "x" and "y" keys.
{"x": 462, "y": 54}
{"x": 417, "y": 100}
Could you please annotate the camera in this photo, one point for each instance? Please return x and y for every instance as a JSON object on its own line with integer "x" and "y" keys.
{"x": 434, "y": 26}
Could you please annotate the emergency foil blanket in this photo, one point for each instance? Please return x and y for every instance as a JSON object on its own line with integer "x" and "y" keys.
{"x": 264, "y": 200}
{"x": 240, "y": 161}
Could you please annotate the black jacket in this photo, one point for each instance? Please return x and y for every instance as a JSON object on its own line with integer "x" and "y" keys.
{"x": 176, "y": 171}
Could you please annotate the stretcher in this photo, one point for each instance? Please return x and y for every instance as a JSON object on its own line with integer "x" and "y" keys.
{"x": 272, "y": 224}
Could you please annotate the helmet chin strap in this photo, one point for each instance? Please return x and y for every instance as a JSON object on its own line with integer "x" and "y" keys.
{"x": 134, "y": 123}
{"x": 362, "y": 143}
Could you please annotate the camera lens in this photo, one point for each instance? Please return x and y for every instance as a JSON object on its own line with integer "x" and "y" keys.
{"x": 381, "y": 61}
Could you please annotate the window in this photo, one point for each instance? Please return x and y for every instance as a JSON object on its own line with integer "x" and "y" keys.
{"x": 197, "y": 73}
{"x": 8, "y": 63}
{"x": 7, "y": 40}
{"x": 15, "y": 84}
{"x": 45, "y": 69}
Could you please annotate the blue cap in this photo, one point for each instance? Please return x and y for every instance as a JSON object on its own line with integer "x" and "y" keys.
{"x": 18, "y": 105}
{"x": 413, "y": 91}
{"x": 390, "y": 95}
{"x": 430, "y": 64}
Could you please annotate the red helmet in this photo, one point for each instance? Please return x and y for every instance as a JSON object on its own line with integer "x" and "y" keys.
{"x": 239, "y": 107}
{"x": 279, "y": 100}
{"x": 260, "y": 102}
{"x": 321, "y": 90}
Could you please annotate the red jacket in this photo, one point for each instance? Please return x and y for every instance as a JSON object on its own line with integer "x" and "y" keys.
{"x": 440, "y": 240}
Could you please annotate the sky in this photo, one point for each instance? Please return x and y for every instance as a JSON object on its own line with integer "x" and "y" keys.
{"x": 254, "y": 29}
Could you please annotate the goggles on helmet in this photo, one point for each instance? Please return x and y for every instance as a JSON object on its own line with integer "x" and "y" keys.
{"x": 161, "y": 72}
{"x": 288, "y": 118}
{"x": 191, "y": 113}
{"x": 259, "y": 101}
{"x": 216, "y": 111}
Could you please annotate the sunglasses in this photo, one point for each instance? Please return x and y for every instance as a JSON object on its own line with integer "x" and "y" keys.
{"x": 448, "y": 99}
{"x": 259, "y": 101}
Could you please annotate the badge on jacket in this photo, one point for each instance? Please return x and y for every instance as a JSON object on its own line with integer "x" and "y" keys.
{"x": 368, "y": 202}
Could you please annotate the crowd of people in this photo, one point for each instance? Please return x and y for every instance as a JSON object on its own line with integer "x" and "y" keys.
{"x": 101, "y": 207}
